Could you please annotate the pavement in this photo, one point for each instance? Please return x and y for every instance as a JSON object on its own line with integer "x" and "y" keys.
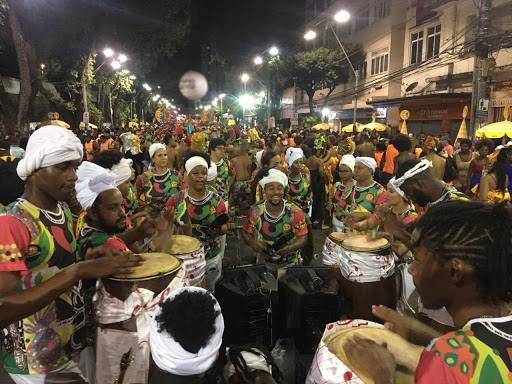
{"x": 237, "y": 253}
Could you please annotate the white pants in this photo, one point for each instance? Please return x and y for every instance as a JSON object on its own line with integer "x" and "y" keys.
{"x": 80, "y": 365}
{"x": 213, "y": 271}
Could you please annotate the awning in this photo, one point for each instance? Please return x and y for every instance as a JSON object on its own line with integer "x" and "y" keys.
{"x": 387, "y": 106}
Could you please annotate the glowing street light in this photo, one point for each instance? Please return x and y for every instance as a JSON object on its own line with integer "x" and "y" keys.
{"x": 258, "y": 60}
{"x": 310, "y": 35}
{"x": 125, "y": 71}
{"x": 108, "y": 52}
{"x": 156, "y": 97}
{"x": 116, "y": 64}
{"x": 208, "y": 107}
{"x": 122, "y": 58}
{"x": 214, "y": 103}
{"x": 274, "y": 51}
{"x": 222, "y": 95}
{"x": 342, "y": 16}
{"x": 245, "y": 78}
{"x": 247, "y": 101}
{"x": 146, "y": 87}
{"x": 132, "y": 77}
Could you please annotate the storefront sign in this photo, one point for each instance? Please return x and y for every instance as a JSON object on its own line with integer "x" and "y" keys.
{"x": 435, "y": 112}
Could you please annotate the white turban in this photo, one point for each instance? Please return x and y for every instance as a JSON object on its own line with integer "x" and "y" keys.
{"x": 397, "y": 189}
{"x": 122, "y": 171}
{"x": 349, "y": 161}
{"x": 85, "y": 172}
{"x": 293, "y": 154}
{"x": 48, "y": 146}
{"x": 194, "y": 161}
{"x": 258, "y": 156}
{"x": 155, "y": 147}
{"x": 171, "y": 357}
{"x": 274, "y": 176}
{"x": 253, "y": 360}
{"x": 418, "y": 168}
{"x": 101, "y": 182}
{"x": 212, "y": 171}
{"x": 367, "y": 161}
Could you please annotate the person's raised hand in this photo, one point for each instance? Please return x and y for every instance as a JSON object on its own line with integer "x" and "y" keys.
{"x": 148, "y": 226}
{"x": 409, "y": 328}
{"x": 374, "y": 359}
{"x": 101, "y": 262}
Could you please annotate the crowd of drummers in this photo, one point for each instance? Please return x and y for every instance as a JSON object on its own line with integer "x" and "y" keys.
{"x": 115, "y": 237}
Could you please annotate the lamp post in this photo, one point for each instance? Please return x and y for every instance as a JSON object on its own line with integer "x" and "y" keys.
{"x": 273, "y": 51}
{"x": 221, "y": 96}
{"x": 341, "y": 17}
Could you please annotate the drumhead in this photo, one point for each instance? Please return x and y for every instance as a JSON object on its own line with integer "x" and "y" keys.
{"x": 338, "y": 236}
{"x": 364, "y": 244}
{"x": 156, "y": 265}
{"x": 184, "y": 245}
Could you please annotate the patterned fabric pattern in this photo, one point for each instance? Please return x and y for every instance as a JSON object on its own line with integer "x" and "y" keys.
{"x": 158, "y": 188}
{"x": 52, "y": 336}
{"x": 297, "y": 191}
{"x": 221, "y": 184}
{"x": 366, "y": 199}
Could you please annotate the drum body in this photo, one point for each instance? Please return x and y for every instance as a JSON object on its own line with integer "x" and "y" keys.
{"x": 331, "y": 252}
{"x": 367, "y": 267}
{"x": 191, "y": 252}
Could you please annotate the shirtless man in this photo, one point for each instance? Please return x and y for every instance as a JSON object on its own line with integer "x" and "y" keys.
{"x": 438, "y": 163}
{"x": 173, "y": 155}
{"x": 241, "y": 188}
{"x": 403, "y": 144}
{"x": 366, "y": 148}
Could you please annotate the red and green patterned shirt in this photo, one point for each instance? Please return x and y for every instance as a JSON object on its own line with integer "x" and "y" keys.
{"x": 366, "y": 199}
{"x": 151, "y": 187}
{"x": 224, "y": 168}
{"x": 291, "y": 223}
{"x": 200, "y": 214}
{"x": 298, "y": 190}
{"x": 39, "y": 244}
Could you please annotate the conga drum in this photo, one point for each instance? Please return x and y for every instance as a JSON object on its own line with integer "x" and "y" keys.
{"x": 367, "y": 266}
{"x": 124, "y": 306}
{"x": 191, "y": 252}
{"x": 331, "y": 252}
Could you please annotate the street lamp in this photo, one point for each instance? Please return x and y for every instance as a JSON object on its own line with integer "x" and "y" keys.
{"x": 273, "y": 51}
{"x": 341, "y": 17}
{"x": 221, "y": 96}
{"x": 116, "y": 64}
{"x": 108, "y": 52}
{"x": 132, "y": 77}
{"x": 258, "y": 60}
{"x": 146, "y": 87}
{"x": 125, "y": 71}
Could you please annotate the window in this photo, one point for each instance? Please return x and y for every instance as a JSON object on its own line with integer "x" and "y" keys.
{"x": 433, "y": 41}
{"x": 379, "y": 63}
{"x": 381, "y": 9}
{"x": 416, "y": 47}
{"x": 361, "y": 68}
{"x": 363, "y": 18}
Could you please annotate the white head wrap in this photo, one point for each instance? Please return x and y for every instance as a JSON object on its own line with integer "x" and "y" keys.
{"x": 155, "y": 147}
{"x": 85, "y": 172}
{"x": 194, "y": 162}
{"x": 293, "y": 154}
{"x": 274, "y": 176}
{"x": 499, "y": 148}
{"x": 48, "y": 146}
{"x": 130, "y": 161}
{"x": 91, "y": 187}
{"x": 397, "y": 189}
{"x": 122, "y": 171}
{"x": 349, "y": 161}
{"x": 258, "y": 156}
{"x": 254, "y": 362}
{"x": 418, "y": 168}
{"x": 368, "y": 161}
{"x": 212, "y": 171}
{"x": 171, "y": 357}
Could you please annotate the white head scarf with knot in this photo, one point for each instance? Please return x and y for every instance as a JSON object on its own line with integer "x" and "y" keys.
{"x": 293, "y": 154}
{"x": 418, "y": 168}
{"x": 258, "y": 156}
{"x": 274, "y": 176}
{"x": 47, "y": 146}
{"x": 122, "y": 171}
{"x": 367, "y": 161}
{"x": 194, "y": 161}
{"x": 171, "y": 357}
{"x": 155, "y": 147}
{"x": 397, "y": 189}
{"x": 212, "y": 171}
{"x": 349, "y": 161}
{"x": 101, "y": 182}
{"x": 85, "y": 172}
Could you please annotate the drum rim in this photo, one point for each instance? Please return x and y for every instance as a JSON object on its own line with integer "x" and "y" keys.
{"x": 366, "y": 250}
{"x": 199, "y": 245}
{"x": 146, "y": 278}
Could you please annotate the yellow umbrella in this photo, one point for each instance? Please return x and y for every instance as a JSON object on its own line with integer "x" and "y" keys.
{"x": 82, "y": 125}
{"x": 496, "y": 130}
{"x": 403, "y": 128}
{"x": 374, "y": 125}
{"x": 58, "y": 123}
{"x": 463, "y": 131}
{"x": 349, "y": 128}
{"x": 322, "y": 127}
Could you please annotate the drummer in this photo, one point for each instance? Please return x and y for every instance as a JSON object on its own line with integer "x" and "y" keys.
{"x": 274, "y": 222}
{"x": 367, "y": 193}
{"x": 462, "y": 262}
{"x": 197, "y": 210}
{"x": 339, "y": 195}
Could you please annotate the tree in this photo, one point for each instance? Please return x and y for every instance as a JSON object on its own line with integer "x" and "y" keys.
{"x": 315, "y": 70}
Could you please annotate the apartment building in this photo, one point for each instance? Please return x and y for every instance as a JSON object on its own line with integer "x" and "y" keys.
{"x": 419, "y": 56}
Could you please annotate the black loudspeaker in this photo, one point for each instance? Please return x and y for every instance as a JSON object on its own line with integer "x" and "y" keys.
{"x": 248, "y": 298}
{"x": 308, "y": 298}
